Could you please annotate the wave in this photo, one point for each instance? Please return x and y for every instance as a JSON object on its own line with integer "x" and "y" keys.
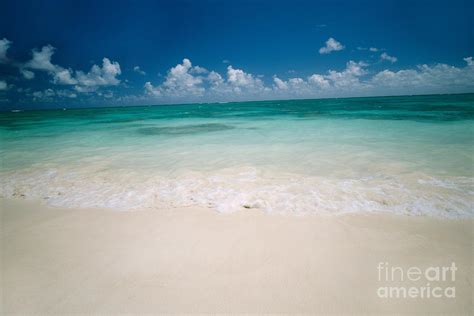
{"x": 243, "y": 188}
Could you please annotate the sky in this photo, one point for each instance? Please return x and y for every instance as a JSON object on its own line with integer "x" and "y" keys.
{"x": 107, "y": 53}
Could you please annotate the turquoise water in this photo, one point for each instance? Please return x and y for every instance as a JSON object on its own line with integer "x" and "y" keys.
{"x": 407, "y": 155}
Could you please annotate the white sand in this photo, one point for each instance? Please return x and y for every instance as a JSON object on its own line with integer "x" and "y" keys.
{"x": 199, "y": 261}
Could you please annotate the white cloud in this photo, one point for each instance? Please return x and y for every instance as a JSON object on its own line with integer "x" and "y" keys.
{"x": 185, "y": 81}
{"x": 138, "y": 70}
{"x": 50, "y": 94}
{"x": 469, "y": 61}
{"x": 83, "y": 82}
{"x": 354, "y": 80}
{"x": 319, "y": 81}
{"x": 42, "y": 59}
{"x": 439, "y": 78}
{"x": 331, "y": 46}
{"x": 97, "y": 76}
{"x": 239, "y": 80}
{"x": 151, "y": 90}
{"x": 4, "y": 46}
{"x": 373, "y": 49}
{"x": 324, "y": 84}
{"x": 385, "y": 56}
{"x": 280, "y": 84}
{"x": 63, "y": 76}
{"x": 27, "y": 74}
{"x": 180, "y": 81}
{"x": 348, "y": 79}
{"x": 198, "y": 70}
{"x": 3, "y": 85}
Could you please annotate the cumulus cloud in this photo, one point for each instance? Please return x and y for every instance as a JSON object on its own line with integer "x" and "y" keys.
{"x": 280, "y": 84}
{"x": 373, "y": 49}
{"x": 385, "y": 56}
{"x": 438, "y": 78}
{"x": 50, "y": 94}
{"x": 187, "y": 81}
{"x": 193, "y": 83}
{"x": 4, "y": 46}
{"x": 319, "y": 81}
{"x": 41, "y": 59}
{"x": 354, "y": 79}
{"x": 3, "y": 85}
{"x": 322, "y": 84}
{"x": 240, "y": 81}
{"x": 331, "y": 46}
{"x": 469, "y": 61}
{"x": 27, "y": 74}
{"x": 198, "y": 70}
{"x": 180, "y": 80}
{"x": 105, "y": 75}
{"x": 138, "y": 70}
{"x": 97, "y": 76}
{"x": 151, "y": 90}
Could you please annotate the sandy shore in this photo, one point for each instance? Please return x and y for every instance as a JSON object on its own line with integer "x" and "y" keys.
{"x": 57, "y": 261}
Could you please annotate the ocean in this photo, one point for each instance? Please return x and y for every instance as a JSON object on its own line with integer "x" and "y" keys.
{"x": 404, "y": 155}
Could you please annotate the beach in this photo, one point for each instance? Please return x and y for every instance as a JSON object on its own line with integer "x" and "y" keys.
{"x": 410, "y": 155}
{"x": 237, "y": 157}
{"x": 197, "y": 260}
{"x": 344, "y": 206}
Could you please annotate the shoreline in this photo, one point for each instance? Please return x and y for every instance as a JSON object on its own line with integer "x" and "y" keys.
{"x": 190, "y": 260}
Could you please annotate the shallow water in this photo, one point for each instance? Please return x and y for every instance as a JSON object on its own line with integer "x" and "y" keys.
{"x": 409, "y": 155}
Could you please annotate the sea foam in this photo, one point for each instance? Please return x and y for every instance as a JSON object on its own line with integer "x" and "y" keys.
{"x": 245, "y": 188}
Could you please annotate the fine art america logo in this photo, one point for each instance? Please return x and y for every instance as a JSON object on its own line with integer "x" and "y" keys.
{"x": 416, "y": 282}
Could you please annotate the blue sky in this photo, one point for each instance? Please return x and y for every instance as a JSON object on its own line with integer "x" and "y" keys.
{"x": 88, "y": 53}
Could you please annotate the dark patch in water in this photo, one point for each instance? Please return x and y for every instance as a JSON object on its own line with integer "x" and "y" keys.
{"x": 185, "y": 129}
{"x": 119, "y": 120}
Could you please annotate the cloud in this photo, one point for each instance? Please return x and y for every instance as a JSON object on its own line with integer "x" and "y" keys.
{"x": 438, "y": 78}
{"x": 354, "y": 79}
{"x": 50, "y": 94}
{"x": 185, "y": 81}
{"x": 151, "y": 90}
{"x": 345, "y": 80}
{"x": 4, "y": 46}
{"x": 239, "y": 80}
{"x": 27, "y": 74}
{"x": 385, "y": 56}
{"x": 370, "y": 49}
{"x": 42, "y": 59}
{"x": 3, "y": 85}
{"x": 179, "y": 82}
{"x": 193, "y": 83}
{"x": 280, "y": 84}
{"x": 319, "y": 81}
{"x": 83, "y": 82}
{"x": 97, "y": 76}
{"x": 469, "y": 61}
{"x": 138, "y": 70}
{"x": 331, "y": 46}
